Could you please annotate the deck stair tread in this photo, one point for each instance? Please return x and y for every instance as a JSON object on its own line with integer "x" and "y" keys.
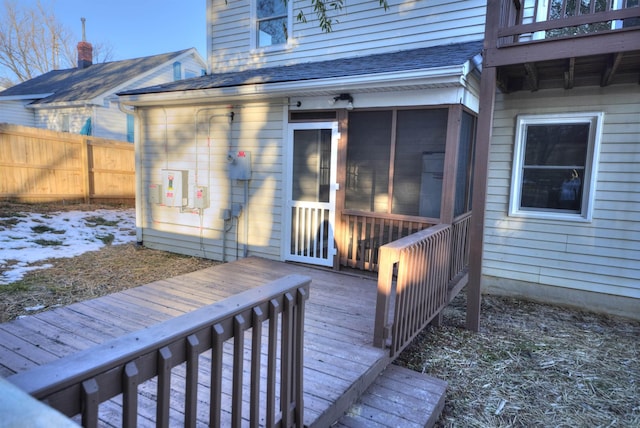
{"x": 399, "y": 397}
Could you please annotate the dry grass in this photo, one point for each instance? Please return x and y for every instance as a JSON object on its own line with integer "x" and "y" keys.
{"x": 531, "y": 365}
{"x": 89, "y": 275}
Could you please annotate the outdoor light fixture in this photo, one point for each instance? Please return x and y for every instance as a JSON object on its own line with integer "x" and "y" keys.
{"x": 343, "y": 97}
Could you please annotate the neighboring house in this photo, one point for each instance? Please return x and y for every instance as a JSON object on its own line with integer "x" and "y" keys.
{"x": 82, "y": 100}
{"x": 563, "y": 201}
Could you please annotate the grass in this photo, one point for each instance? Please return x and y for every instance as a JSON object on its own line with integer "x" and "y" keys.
{"x": 532, "y": 365}
{"x": 95, "y": 221}
{"x": 47, "y": 242}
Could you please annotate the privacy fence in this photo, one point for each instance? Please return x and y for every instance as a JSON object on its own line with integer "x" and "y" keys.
{"x": 38, "y": 165}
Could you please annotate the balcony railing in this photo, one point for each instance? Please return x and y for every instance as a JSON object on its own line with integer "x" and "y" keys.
{"x": 425, "y": 264}
{"x": 155, "y": 360}
{"x": 529, "y": 20}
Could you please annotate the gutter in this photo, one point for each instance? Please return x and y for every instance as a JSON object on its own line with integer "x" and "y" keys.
{"x": 449, "y": 76}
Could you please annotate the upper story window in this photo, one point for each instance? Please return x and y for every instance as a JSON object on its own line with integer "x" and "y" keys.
{"x": 554, "y": 166}
{"x": 271, "y": 23}
{"x": 177, "y": 70}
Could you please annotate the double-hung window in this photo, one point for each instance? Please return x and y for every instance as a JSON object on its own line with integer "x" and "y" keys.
{"x": 271, "y": 23}
{"x": 554, "y": 166}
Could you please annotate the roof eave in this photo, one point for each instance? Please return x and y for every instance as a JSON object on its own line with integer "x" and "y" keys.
{"x": 432, "y": 77}
{"x": 64, "y": 104}
{"x": 25, "y": 97}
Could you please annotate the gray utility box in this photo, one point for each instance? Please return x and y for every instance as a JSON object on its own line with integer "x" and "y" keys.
{"x": 239, "y": 165}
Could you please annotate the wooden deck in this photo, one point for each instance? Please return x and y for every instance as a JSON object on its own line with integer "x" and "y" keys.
{"x": 339, "y": 360}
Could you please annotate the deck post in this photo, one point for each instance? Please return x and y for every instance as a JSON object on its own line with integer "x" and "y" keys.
{"x": 385, "y": 282}
{"x": 480, "y": 174}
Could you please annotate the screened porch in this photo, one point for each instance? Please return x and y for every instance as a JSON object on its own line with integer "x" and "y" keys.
{"x": 400, "y": 171}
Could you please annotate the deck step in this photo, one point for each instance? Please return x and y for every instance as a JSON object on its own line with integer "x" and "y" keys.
{"x": 399, "y": 397}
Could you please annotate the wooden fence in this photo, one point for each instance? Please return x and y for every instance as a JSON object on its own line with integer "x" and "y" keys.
{"x": 38, "y": 165}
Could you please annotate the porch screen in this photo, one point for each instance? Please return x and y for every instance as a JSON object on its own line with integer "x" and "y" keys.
{"x": 419, "y": 162}
{"x": 368, "y": 154}
{"x": 395, "y": 161}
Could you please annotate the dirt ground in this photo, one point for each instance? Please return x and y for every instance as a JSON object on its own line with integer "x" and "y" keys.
{"x": 531, "y": 365}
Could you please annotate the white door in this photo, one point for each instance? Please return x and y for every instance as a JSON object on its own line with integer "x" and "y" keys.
{"x": 311, "y": 193}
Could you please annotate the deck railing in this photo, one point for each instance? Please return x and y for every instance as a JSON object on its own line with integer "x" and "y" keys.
{"x": 366, "y": 232}
{"x": 155, "y": 361}
{"x": 427, "y": 266}
{"x": 460, "y": 241}
{"x": 527, "y": 20}
{"x": 420, "y": 292}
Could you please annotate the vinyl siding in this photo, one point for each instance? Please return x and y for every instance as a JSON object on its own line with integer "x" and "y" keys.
{"x": 363, "y": 28}
{"x": 107, "y": 119}
{"x": 600, "y": 256}
{"x": 169, "y": 142}
{"x": 51, "y": 118}
{"x": 17, "y": 113}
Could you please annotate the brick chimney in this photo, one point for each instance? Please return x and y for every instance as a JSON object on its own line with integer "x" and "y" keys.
{"x": 85, "y": 50}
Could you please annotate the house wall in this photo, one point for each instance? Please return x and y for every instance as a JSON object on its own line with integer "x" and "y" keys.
{"x": 16, "y": 113}
{"x": 592, "y": 264}
{"x": 52, "y": 118}
{"x": 107, "y": 120}
{"x": 110, "y": 122}
{"x": 198, "y": 139}
{"x": 364, "y": 28}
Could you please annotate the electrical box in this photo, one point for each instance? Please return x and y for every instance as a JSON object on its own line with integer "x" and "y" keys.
{"x": 239, "y": 165}
{"x": 174, "y": 187}
{"x": 201, "y": 197}
{"x": 155, "y": 193}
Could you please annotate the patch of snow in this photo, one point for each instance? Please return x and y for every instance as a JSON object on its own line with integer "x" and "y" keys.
{"x": 72, "y": 233}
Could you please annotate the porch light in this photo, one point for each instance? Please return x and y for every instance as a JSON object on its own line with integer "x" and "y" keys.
{"x": 343, "y": 97}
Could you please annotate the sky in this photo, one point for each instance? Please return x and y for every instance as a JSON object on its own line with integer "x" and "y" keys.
{"x": 135, "y": 28}
{"x": 74, "y": 232}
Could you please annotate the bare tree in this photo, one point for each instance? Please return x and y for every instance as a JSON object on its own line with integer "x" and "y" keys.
{"x": 33, "y": 42}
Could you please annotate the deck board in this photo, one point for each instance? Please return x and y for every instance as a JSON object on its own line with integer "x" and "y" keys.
{"x": 340, "y": 361}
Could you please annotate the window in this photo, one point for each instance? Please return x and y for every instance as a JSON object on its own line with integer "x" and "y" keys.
{"x": 64, "y": 122}
{"x": 177, "y": 70}
{"x": 130, "y": 128}
{"x": 554, "y": 166}
{"x": 395, "y": 161}
{"x": 271, "y": 22}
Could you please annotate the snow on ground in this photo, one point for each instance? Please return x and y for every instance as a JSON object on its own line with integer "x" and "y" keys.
{"x": 36, "y": 237}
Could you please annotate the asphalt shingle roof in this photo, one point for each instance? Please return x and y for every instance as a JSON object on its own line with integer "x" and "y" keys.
{"x": 74, "y": 84}
{"x": 415, "y": 59}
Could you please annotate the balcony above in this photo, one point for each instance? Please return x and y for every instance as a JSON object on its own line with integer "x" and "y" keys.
{"x": 540, "y": 44}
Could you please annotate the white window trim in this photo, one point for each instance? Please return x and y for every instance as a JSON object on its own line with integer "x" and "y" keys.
{"x": 253, "y": 36}
{"x": 595, "y": 120}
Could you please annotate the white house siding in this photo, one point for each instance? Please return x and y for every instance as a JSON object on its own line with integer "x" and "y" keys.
{"x": 52, "y": 118}
{"x": 107, "y": 120}
{"x": 363, "y": 28}
{"x": 169, "y": 142}
{"x": 15, "y": 112}
{"x": 110, "y": 122}
{"x": 602, "y": 256}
